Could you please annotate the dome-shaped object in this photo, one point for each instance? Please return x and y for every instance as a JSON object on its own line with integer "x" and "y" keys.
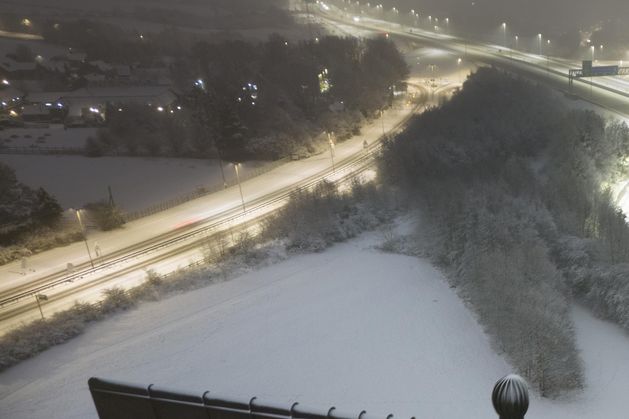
{"x": 511, "y": 397}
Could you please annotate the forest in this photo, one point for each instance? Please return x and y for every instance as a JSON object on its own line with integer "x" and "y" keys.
{"x": 512, "y": 189}
{"x": 261, "y": 101}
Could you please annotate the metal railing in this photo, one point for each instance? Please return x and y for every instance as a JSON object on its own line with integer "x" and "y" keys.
{"x": 44, "y": 150}
{"x": 171, "y": 203}
{"x": 118, "y": 400}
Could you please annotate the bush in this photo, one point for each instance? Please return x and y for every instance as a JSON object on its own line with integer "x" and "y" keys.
{"x": 106, "y": 216}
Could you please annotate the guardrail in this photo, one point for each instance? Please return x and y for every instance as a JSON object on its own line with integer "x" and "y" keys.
{"x": 162, "y": 206}
{"x": 119, "y": 400}
{"x": 45, "y": 150}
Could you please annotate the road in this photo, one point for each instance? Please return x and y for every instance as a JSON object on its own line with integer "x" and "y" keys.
{"x": 174, "y": 238}
{"x": 610, "y": 93}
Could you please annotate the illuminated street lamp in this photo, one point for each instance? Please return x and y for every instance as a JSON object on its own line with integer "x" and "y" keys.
{"x": 539, "y": 43}
{"x": 84, "y": 232}
{"x": 448, "y": 25}
{"x": 516, "y": 42}
{"x": 331, "y": 144}
{"x": 242, "y": 198}
{"x": 504, "y": 34}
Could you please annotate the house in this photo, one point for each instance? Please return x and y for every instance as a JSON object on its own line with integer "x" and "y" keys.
{"x": 10, "y": 97}
{"x": 17, "y": 70}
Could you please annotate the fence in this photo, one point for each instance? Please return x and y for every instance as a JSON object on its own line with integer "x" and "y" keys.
{"x": 162, "y": 206}
{"x": 117, "y": 400}
{"x": 4, "y": 149}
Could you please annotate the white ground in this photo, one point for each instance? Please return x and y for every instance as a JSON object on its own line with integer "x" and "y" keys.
{"x": 351, "y": 327}
{"x": 136, "y": 182}
{"x": 46, "y": 137}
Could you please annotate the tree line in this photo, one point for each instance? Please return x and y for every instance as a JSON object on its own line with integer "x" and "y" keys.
{"x": 513, "y": 185}
{"x": 244, "y": 100}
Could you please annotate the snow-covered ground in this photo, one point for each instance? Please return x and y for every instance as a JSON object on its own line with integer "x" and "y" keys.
{"x": 350, "y": 327}
{"x": 136, "y": 182}
{"x": 331, "y": 328}
{"x": 46, "y": 137}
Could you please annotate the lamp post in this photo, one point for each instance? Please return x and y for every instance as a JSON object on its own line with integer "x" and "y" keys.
{"x": 539, "y": 43}
{"x": 331, "y": 144}
{"x": 591, "y": 73}
{"x": 504, "y": 34}
{"x": 242, "y": 198}
{"x": 78, "y": 216}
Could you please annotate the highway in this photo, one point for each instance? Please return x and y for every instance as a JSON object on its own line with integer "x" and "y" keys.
{"x": 609, "y": 93}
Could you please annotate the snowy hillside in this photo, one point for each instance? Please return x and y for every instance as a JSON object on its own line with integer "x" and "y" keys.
{"x": 351, "y": 327}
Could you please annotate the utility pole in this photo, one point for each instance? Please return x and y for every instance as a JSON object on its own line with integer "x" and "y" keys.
{"x": 242, "y": 198}
{"x": 331, "y": 143}
{"x": 83, "y": 230}
{"x": 39, "y": 297}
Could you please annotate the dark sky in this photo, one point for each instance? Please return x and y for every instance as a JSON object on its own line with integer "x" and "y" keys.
{"x": 524, "y": 16}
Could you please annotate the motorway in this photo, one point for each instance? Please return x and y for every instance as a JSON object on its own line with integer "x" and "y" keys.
{"x": 609, "y": 93}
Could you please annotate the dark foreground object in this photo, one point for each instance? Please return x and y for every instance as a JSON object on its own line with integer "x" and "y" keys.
{"x": 116, "y": 400}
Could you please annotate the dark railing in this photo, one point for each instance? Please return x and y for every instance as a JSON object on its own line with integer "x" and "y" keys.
{"x": 116, "y": 400}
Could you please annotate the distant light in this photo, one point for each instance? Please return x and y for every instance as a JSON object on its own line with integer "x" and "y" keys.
{"x": 286, "y": 43}
{"x": 141, "y": 36}
{"x": 59, "y": 105}
{"x": 27, "y": 22}
{"x": 4, "y": 103}
{"x": 160, "y": 109}
{"x": 119, "y": 109}
{"x": 12, "y": 113}
{"x": 356, "y": 19}
{"x": 178, "y": 107}
{"x": 48, "y": 104}
{"x": 5, "y": 82}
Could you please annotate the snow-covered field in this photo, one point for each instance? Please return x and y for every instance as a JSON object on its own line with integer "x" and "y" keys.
{"x": 136, "y": 182}
{"x": 52, "y": 136}
{"x": 350, "y": 327}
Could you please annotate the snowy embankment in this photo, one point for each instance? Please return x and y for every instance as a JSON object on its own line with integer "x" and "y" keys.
{"x": 351, "y": 327}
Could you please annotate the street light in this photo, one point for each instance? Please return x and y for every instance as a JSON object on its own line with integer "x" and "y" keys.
{"x": 504, "y": 33}
{"x": 539, "y": 41}
{"x": 242, "y": 198}
{"x": 516, "y": 42}
{"x": 84, "y": 232}
{"x": 331, "y": 144}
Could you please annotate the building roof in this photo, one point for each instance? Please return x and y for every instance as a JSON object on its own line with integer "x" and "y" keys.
{"x": 10, "y": 65}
